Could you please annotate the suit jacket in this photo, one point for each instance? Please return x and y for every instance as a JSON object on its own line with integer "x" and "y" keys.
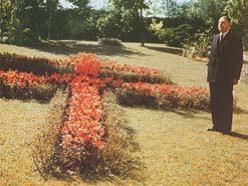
{"x": 226, "y": 59}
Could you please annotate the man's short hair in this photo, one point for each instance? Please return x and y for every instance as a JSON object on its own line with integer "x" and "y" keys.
{"x": 226, "y": 18}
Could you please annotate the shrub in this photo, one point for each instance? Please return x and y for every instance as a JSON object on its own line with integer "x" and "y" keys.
{"x": 110, "y": 42}
{"x": 36, "y": 65}
{"x": 176, "y": 37}
{"x": 18, "y": 35}
{"x": 163, "y": 96}
{"x": 42, "y": 92}
{"x": 134, "y": 77}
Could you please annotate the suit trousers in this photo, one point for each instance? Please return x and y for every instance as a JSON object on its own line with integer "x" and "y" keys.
{"x": 221, "y": 105}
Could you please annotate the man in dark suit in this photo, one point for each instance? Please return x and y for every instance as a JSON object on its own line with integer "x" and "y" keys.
{"x": 224, "y": 68}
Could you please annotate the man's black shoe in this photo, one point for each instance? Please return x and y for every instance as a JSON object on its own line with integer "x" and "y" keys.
{"x": 212, "y": 129}
{"x": 228, "y": 132}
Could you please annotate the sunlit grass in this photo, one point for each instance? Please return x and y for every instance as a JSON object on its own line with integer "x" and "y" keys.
{"x": 175, "y": 146}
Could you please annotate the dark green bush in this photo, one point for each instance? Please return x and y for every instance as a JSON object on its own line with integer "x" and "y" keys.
{"x": 110, "y": 42}
{"x": 178, "y": 36}
{"x": 171, "y": 100}
{"x": 36, "y": 65}
{"x": 39, "y": 92}
{"x": 133, "y": 77}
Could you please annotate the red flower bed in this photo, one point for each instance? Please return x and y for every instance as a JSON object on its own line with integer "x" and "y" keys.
{"x": 163, "y": 95}
{"x": 152, "y": 89}
{"x": 23, "y": 79}
{"x": 89, "y": 64}
{"x": 91, "y": 59}
{"x": 128, "y": 68}
{"x": 86, "y": 64}
{"x": 83, "y": 132}
{"x": 23, "y": 85}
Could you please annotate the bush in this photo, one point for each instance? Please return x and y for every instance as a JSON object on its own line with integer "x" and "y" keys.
{"x": 134, "y": 77}
{"x": 37, "y": 65}
{"x": 42, "y": 92}
{"x": 163, "y": 96}
{"x": 18, "y": 35}
{"x": 176, "y": 37}
{"x": 110, "y": 42}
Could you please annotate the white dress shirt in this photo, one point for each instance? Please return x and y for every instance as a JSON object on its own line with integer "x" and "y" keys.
{"x": 223, "y": 34}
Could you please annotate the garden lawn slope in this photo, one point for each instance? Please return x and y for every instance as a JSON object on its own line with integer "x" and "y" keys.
{"x": 20, "y": 123}
{"x": 174, "y": 144}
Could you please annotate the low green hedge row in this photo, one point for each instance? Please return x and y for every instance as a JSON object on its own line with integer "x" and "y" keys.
{"x": 37, "y": 65}
{"x": 39, "y": 91}
{"x": 163, "y": 101}
{"x": 133, "y": 77}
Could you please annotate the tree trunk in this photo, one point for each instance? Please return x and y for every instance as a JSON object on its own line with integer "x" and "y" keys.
{"x": 2, "y": 19}
{"x": 35, "y": 15}
{"x": 142, "y": 28}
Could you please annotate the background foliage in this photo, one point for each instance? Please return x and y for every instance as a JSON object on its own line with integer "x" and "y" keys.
{"x": 190, "y": 23}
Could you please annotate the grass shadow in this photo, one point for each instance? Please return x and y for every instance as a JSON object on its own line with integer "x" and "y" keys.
{"x": 26, "y": 100}
{"x": 74, "y": 47}
{"x": 172, "y": 50}
{"x": 238, "y": 135}
{"x": 114, "y": 163}
{"x": 186, "y": 113}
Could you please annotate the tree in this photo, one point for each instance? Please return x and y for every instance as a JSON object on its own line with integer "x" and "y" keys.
{"x": 51, "y": 6}
{"x": 110, "y": 25}
{"x": 84, "y": 20}
{"x": 237, "y": 10}
{"x": 82, "y": 6}
{"x": 124, "y": 19}
{"x": 163, "y": 8}
{"x": 21, "y": 19}
{"x": 15, "y": 28}
{"x": 210, "y": 11}
{"x": 5, "y": 14}
{"x": 181, "y": 25}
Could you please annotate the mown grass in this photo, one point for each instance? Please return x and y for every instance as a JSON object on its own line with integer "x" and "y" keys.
{"x": 20, "y": 123}
{"x": 175, "y": 147}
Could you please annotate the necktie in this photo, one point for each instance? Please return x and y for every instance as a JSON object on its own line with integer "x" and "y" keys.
{"x": 221, "y": 37}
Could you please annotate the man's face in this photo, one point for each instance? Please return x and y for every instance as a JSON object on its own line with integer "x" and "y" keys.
{"x": 223, "y": 25}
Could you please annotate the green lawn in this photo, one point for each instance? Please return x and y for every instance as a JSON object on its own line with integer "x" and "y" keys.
{"x": 175, "y": 147}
